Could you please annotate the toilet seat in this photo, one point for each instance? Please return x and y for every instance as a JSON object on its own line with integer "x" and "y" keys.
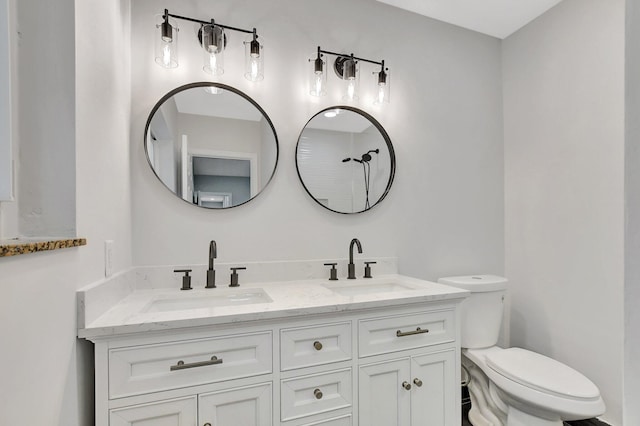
{"x": 543, "y": 374}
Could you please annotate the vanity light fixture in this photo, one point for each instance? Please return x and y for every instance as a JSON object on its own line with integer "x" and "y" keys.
{"x": 347, "y": 67}
{"x": 212, "y": 37}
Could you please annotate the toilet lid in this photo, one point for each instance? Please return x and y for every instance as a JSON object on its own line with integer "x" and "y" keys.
{"x": 542, "y": 373}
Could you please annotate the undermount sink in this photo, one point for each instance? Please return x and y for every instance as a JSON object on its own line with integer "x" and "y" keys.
{"x": 362, "y": 288}
{"x": 198, "y": 301}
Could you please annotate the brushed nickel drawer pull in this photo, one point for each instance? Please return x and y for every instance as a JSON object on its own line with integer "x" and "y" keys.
{"x": 417, "y": 382}
{"x": 406, "y": 385}
{"x": 411, "y": 333}
{"x": 180, "y": 365}
{"x": 318, "y": 393}
{"x": 317, "y": 345}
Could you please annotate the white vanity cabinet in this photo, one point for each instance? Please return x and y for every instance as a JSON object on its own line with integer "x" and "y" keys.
{"x": 418, "y": 390}
{"x": 395, "y": 366}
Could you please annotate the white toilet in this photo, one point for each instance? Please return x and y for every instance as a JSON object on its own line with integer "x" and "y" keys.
{"x": 514, "y": 386}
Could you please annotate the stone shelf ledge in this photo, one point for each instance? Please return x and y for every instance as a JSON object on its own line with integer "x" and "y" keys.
{"x": 17, "y": 246}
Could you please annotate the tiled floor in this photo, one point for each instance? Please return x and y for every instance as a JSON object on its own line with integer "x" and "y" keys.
{"x": 466, "y": 405}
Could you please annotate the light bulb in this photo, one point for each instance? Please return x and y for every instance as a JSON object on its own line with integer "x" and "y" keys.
{"x": 212, "y": 62}
{"x": 381, "y": 90}
{"x": 254, "y": 67}
{"x": 166, "y": 55}
{"x": 351, "y": 89}
{"x": 318, "y": 88}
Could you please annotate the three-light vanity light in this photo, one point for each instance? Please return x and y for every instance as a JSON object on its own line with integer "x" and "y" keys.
{"x": 212, "y": 37}
{"x": 347, "y": 68}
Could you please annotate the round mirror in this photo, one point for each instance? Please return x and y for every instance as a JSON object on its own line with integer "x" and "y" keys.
{"x": 211, "y": 145}
{"x": 345, "y": 160}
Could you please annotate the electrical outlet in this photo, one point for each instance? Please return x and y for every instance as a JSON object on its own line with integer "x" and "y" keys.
{"x": 108, "y": 258}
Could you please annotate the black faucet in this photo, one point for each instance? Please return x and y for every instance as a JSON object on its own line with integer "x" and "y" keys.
{"x": 211, "y": 273}
{"x": 352, "y": 266}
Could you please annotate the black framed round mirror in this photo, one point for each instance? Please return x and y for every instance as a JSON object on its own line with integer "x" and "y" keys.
{"x": 211, "y": 145}
{"x": 345, "y": 160}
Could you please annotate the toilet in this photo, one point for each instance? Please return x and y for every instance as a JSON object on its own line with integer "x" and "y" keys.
{"x": 514, "y": 386}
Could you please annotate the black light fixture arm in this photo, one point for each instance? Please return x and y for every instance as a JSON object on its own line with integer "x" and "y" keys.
{"x": 199, "y": 21}
{"x": 328, "y": 52}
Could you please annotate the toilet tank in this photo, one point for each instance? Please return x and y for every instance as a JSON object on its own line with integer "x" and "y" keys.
{"x": 481, "y": 312}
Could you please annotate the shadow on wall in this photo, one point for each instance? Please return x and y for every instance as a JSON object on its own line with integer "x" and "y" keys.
{"x": 519, "y": 331}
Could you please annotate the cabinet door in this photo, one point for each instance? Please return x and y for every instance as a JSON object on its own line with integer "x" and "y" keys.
{"x": 247, "y": 406}
{"x": 175, "y": 412}
{"x": 383, "y": 401}
{"x": 434, "y": 386}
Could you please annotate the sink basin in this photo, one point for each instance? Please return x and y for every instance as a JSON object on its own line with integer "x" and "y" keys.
{"x": 362, "y": 288}
{"x": 199, "y": 301}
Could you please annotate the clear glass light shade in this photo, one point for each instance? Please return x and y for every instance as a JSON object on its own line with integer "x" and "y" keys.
{"x": 166, "y": 51}
{"x": 254, "y": 60}
{"x": 351, "y": 80}
{"x": 213, "y": 49}
{"x": 318, "y": 77}
{"x": 382, "y": 87}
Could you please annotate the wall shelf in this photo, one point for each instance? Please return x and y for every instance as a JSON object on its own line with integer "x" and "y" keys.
{"x": 19, "y": 246}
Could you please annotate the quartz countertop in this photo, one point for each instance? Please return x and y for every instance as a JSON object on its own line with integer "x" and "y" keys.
{"x": 288, "y": 299}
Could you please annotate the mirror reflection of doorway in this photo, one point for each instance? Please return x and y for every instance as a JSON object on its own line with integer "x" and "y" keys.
{"x": 221, "y": 182}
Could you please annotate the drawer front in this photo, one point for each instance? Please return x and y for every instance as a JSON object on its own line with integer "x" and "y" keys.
{"x": 151, "y": 368}
{"x": 336, "y": 421}
{"x": 316, "y": 345}
{"x": 315, "y": 394}
{"x": 401, "y": 332}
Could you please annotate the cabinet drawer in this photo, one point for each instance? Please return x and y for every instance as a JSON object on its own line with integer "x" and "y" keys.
{"x": 400, "y": 332}
{"x": 336, "y": 421}
{"x": 151, "y": 368}
{"x": 316, "y": 345}
{"x": 315, "y": 394}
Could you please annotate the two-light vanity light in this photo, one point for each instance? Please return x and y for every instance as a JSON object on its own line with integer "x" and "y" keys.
{"x": 213, "y": 39}
{"x": 347, "y": 69}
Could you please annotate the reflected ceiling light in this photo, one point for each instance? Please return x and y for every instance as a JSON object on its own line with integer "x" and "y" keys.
{"x": 347, "y": 68}
{"x": 213, "y": 39}
{"x": 332, "y": 113}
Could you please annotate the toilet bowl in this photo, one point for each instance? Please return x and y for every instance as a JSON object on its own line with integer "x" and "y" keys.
{"x": 514, "y": 386}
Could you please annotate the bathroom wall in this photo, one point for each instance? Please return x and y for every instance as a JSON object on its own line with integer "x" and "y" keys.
{"x": 564, "y": 179}
{"x": 46, "y": 378}
{"x": 632, "y": 217}
{"x": 444, "y": 214}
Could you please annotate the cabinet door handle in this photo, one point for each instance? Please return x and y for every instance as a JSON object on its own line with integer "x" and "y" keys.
{"x": 406, "y": 385}
{"x": 180, "y": 365}
{"x": 418, "y": 330}
{"x": 317, "y": 393}
{"x": 417, "y": 382}
{"x": 317, "y": 345}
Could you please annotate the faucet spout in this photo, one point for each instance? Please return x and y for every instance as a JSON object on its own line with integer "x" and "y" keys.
{"x": 352, "y": 266}
{"x": 211, "y": 273}
{"x": 213, "y": 253}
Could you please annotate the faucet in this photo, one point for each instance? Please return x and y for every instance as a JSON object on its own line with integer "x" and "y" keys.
{"x": 211, "y": 273}
{"x": 352, "y": 266}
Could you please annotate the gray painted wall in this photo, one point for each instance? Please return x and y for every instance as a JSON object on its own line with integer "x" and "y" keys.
{"x": 632, "y": 217}
{"x": 564, "y": 180}
{"x": 444, "y": 214}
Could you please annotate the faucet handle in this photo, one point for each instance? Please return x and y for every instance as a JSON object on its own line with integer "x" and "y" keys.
{"x": 186, "y": 279}
{"x": 367, "y": 269}
{"x": 333, "y": 272}
{"x": 234, "y": 275}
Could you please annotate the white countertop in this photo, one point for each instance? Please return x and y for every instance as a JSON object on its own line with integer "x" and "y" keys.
{"x": 289, "y": 299}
